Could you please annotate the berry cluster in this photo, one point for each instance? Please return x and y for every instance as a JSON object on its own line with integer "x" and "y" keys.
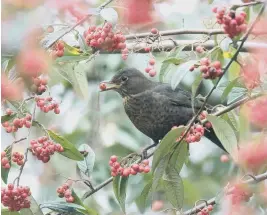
{"x": 44, "y": 148}
{"x": 15, "y": 198}
{"x": 154, "y": 31}
{"x": 206, "y": 210}
{"x": 58, "y": 50}
{"x": 39, "y": 85}
{"x": 150, "y": 69}
{"x": 47, "y": 104}
{"x": 195, "y": 133}
{"x": 18, "y": 123}
{"x": 117, "y": 169}
{"x": 106, "y": 39}
{"x": 209, "y": 70}
{"x": 4, "y": 160}
{"x": 18, "y": 158}
{"x": 240, "y": 194}
{"x": 64, "y": 191}
{"x": 233, "y": 23}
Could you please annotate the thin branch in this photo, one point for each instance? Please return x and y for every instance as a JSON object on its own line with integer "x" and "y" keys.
{"x": 167, "y": 45}
{"x": 101, "y": 7}
{"x": 235, "y": 6}
{"x": 212, "y": 201}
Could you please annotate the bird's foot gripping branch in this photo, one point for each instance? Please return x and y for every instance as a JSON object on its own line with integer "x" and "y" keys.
{"x": 172, "y": 117}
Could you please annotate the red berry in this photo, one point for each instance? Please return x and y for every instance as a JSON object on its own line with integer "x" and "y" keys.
{"x": 110, "y": 163}
{"x": 114, "y": 174}
{"x": 133, "y": 172}
{"x": 216, "y": 64}
{"x": 147, "y": 69}
{"x": 146, "y": 169}
{"x": 210, "y": 207}
{"x": 7, "y": 166}
{"x": 214, "y": 10}
{"x": 141, "y": 168}
{"x": 242, "y": 13}
{"x": 113, "y": 158}
{"x": 10, "y": 186}
{"x": 224, "y": 158}
{"x": 28, "y": 117}
{"x": 60, "y": 53}
{"x": 124, "y": 57}
{"x": 9, "y": 129}
{"x": 152, "y": 73}
{"x": 135, "y": 167}
{"x": 199, "y": 49}
{"x": 147, "y": 49}
{"x": 60, "y": 45}
{"x": 50, "y": 29}
{"x": 152, "y": 61}
{"x": 67, "y": 194}
{"x": 16, "y": 122}
{"x": 9, "y": 111}
{"x": 208, "y": 125}
{"x": 126, "y": 172}
{"x": 70, "y": 199}
{"x": 20, "y": 162}
{"x": 102, "y": 86}
{"x": 154, "y": 31}
{"x": 205, "y": 61}
{"x": 28, "y": 124}
{"x": 145, "y": 162}
{"x": 4, "y": 160}
{"x": 3, "y": 154}
{"x": 116, "y": 165}
{"x": 5, "y": 124}
{"x": 203, "y": 69}
{"x": 56, "y": 110}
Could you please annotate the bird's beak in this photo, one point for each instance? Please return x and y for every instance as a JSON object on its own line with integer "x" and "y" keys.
{"x": 109, "y": 85}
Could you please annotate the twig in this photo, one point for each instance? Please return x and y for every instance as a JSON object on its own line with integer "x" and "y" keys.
{"x": 212, "y": 201}
{"x": 174, "y": 32}
{"x": 101, "y": 7}
{"x": 167, "y": 45}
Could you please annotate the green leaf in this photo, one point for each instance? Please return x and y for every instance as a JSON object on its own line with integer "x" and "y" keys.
{"x": 195, "y": 86}
{"x": 78, "y": 201}
{"x": 69, "y": 149}
{"x": 7, "y": 117}
{"x": 33, "y": 210}
{"x": 64, "y": 207}
{"x": 234, "y": 71}
{"x": 224, "y": 132}
{"x": 217, "y": 54}
{"x": 86, "y": 166}
{"x": 247, "y": 11}
{"x": 5, "y": 172}
{"x": 166, "y": 67}
{"x": 119, "y": 188}
{"x": 141, "y": 201}
{"x": 179, "y": 157}
{"x": 7, "y": 212}
{"x": 234, "y": 121}
{"x": 174, "y": 188}
{"x": 71, "y": 51}
{"x": 122, "y": 194}
{"x": 228, "y": 89}
{"x": 210, "y": 1}
{"x": 159, "y": 172}
{"x": 181, "y": 72}
{"x": 116, "y": 186}
{"x": 165, "y": 145}
{"x": 174, "y": 60}
{"x": 70, "y": 59}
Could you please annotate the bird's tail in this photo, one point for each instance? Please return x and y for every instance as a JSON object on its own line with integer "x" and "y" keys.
{"x": 210, "y": 134}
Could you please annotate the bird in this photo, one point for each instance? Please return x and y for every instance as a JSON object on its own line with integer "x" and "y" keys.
{"x": 154, "y": 107}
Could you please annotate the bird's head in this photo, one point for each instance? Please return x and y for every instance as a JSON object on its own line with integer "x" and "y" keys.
{"x": 128, "y": 81}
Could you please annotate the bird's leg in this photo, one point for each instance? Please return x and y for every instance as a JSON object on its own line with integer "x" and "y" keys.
{"x": 144, "y": 152}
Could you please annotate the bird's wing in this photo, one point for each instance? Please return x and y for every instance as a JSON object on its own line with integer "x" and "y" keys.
{"x": 178, "y": 97}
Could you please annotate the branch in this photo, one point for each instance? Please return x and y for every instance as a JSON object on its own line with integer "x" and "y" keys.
{"x": 101, "y": 7}
{"x": 208, "y": 32}
{"x": 168, "y": 45}
{"x": 212, "y": 201}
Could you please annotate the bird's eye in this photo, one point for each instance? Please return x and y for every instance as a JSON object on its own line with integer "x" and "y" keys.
{"x": 124, "y": 78}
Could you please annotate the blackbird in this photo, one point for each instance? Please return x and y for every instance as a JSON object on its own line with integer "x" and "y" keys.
{"x": 154, "y": 108}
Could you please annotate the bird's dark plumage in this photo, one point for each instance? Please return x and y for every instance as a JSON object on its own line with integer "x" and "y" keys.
{"x": 154, "y": 108}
